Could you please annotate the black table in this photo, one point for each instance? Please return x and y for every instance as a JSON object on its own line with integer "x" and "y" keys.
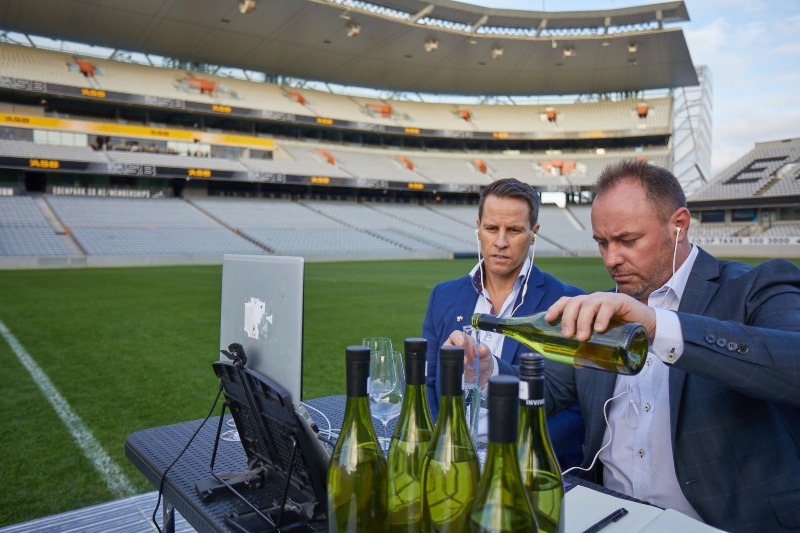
{"x": 152, "y": 451}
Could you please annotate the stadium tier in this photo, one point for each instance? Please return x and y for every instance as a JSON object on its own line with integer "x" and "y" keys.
{"x": 25, "y": 232}
{"x": 211, "y": 227}
{"x": 160, "y": 86}
{"x": 560, "y": 169}
{"x": 771, "y": 169}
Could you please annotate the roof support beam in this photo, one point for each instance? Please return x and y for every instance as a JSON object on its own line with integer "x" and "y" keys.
{"x": 542, "y": 26}
{"x": 481, "y": 21}
{"x": 424, "y": 12}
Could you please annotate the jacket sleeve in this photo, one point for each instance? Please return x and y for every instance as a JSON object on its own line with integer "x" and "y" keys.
{"x": 750, "y": 339}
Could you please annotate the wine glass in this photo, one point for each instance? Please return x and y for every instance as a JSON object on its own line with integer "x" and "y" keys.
{"x": 385, "y": 386}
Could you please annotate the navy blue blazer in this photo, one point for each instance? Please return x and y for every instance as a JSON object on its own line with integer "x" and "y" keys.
{"x": 450, "y": 308}
{"x": 734, "y": 395}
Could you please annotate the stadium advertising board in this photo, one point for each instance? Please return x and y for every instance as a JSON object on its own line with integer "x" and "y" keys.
{"x": 141, "y": 132}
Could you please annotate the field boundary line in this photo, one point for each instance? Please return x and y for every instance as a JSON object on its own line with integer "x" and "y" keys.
{"x": 116, "y": 480}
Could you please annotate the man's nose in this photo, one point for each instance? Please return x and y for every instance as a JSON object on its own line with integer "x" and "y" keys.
{"x": 501, "y": 241}
{"x": 612, "y": 258}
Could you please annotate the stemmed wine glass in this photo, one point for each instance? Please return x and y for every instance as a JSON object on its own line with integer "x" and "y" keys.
{"x": 386, "y": 383}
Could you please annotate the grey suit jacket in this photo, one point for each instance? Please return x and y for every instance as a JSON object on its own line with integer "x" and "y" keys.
{"x": 734, "y": 395}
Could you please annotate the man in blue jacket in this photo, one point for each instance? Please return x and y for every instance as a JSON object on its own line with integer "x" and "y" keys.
{"x": 503, "y": 283}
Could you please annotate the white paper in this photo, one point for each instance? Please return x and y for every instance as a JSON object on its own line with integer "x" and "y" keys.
{"x": 585, "y": 507}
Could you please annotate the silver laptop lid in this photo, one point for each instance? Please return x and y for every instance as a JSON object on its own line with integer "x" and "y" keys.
{"x": 262, "y": 309}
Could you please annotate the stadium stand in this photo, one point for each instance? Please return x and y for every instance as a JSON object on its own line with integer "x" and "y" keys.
{"x": 618, "y": 117}
{"x": 48, "y": 151}
{"x": 572, "y": 229}
{"x": 297, "y": 228}
{"x": 757, "y": 173}
{"x": 365, "y": 218}
{"x": 25, "y": 232}
{"x": 130, "y": 227}
{"x": 782, "y": 230}
{"x": 179, "y": 161}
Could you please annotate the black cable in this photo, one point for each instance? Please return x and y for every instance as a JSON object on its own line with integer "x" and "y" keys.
{"x": 164, "y": 475}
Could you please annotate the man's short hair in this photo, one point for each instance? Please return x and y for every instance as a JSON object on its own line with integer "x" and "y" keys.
{"x": 512, "y": 188}
{"x": 661, "y": 187}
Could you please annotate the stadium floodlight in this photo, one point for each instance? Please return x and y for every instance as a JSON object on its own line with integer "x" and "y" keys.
{"x": 247, "y": 6}
{"x": 352, "y": 29}
{"x": 497, "y": 51}
{"x": 431, "y": 45}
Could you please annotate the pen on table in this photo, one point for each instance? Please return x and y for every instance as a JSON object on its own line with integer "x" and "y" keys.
{"x": 613, "y": 517}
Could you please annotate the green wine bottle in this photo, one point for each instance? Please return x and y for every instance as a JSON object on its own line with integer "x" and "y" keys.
{"x": 357, "y": 487}
{"x": 501, "y": 505}
{"x": 541, "y": 473}
{"x": 621, "y": 349}
{"x": 410, "y": 440}
{"x": 450, "y": 469}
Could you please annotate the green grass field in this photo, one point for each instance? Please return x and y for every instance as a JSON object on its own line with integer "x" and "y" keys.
{"x": 131, "y": 348}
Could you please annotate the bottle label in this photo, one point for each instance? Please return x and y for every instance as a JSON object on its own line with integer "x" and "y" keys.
{"x": 534, "y": 403}
{"x": 523, "y": 390}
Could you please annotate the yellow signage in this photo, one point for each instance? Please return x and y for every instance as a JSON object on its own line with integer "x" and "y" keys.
{"x": 320, "y": 180}
{"x": 43, "y": 163}
{"x": 221, "y": 108}
{"x": 413, "y": 131}
{"x": 326, "y": 121}
{"x": 500, "y": 135}
{"x": 416, "y": 186}
{"x": 94, "y": 93}
{"x": 140, "y": 132}
{"x": 199, "y": 173}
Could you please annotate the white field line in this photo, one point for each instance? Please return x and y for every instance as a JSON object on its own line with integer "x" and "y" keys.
{"x": 119, "y": 485}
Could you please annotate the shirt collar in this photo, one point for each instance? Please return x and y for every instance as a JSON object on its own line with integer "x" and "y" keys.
{"x": 476, "y": 275}
{"x": 677, "y": 283}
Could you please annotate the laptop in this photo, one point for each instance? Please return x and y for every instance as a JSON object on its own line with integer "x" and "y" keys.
{"x": 262, "y": 315}
{"x": 262, "y": 309}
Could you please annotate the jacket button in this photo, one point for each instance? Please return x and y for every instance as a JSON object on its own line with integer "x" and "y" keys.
{"x": 743, "y": 348}
{"x": 721, "y": 343}
{"x": 732, "y": 346}
{"x": 710, "y": 339}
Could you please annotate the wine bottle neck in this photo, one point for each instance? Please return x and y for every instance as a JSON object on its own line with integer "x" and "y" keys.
{"x": 501, "y": 455}
{"x": 356, "y": 408}
{"x": 415, "y": 368}
{"x": 451, "y": 408}
{"x": 415, "y": 397}
{"x": 503, "y": 413}
{"x": 356, "y": 379}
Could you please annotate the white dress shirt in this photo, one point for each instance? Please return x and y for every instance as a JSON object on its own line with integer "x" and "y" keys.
{"x": 640, "y": 461}
{"x": 494, "y": 341}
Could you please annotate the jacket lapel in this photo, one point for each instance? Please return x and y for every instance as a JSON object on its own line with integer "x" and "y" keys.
{"x": 529, "y": 305}
{"x": 697, "y": 295}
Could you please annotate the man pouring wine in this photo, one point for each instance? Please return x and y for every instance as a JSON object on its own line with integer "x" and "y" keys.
{"x": 711, "y": 425}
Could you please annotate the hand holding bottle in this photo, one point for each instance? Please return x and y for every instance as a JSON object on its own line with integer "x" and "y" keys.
{"x": 581, "y": 315}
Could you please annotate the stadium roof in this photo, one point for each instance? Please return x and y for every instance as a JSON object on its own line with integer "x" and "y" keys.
{"x": 535, "y": 53}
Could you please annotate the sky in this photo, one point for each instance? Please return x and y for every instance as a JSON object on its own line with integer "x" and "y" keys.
{"x": 752, "y": 48}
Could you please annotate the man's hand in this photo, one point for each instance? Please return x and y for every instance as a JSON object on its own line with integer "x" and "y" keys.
{"x": 581, "y": 315}
{"x": 459, "y": 338}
